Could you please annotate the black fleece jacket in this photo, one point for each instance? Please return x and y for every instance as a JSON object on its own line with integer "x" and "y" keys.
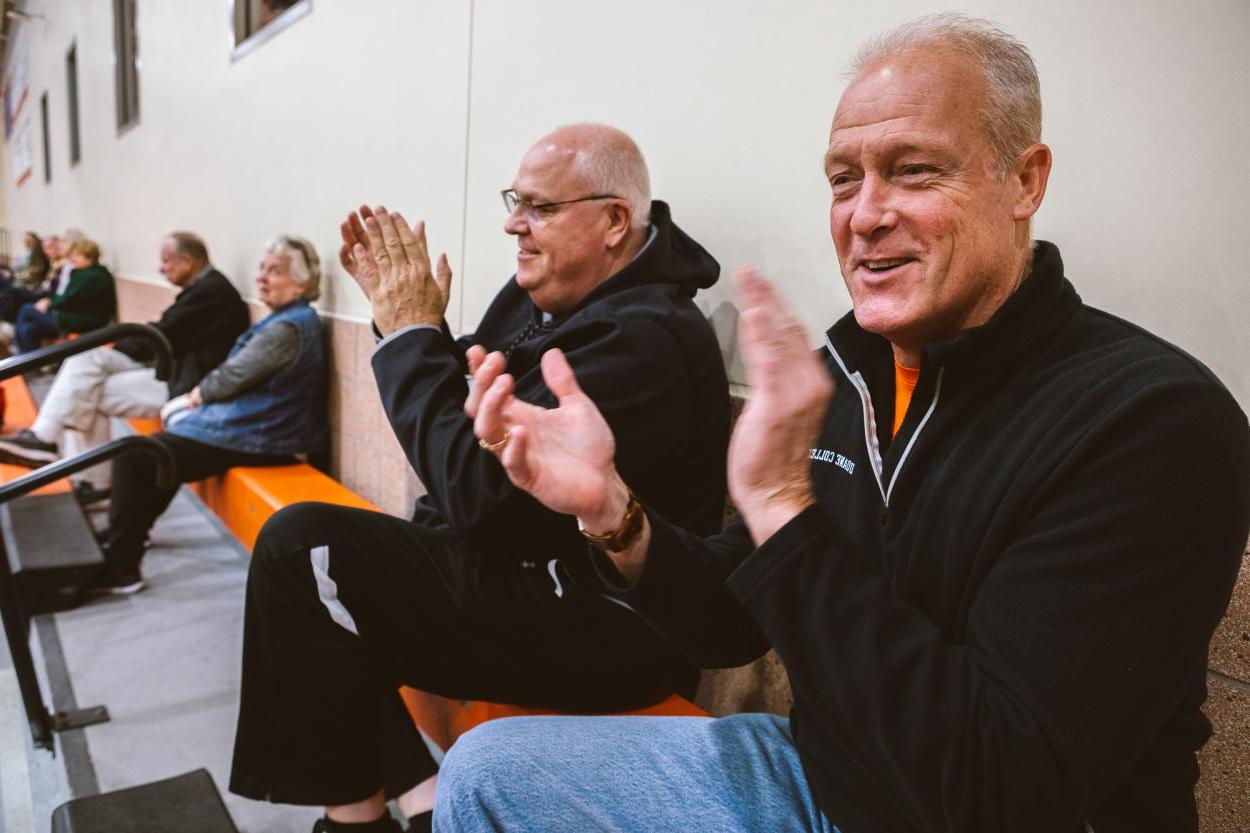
{"x": 638, "y": 346}
{"x": 201, "y": 324}
{"x": 997, "y": 621}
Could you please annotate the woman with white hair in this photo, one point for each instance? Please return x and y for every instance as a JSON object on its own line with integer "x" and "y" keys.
{"x": 261, "y": 406}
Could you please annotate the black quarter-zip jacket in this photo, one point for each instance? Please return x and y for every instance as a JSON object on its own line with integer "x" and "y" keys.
{"x": 638, "y": 345}
{"x": 997, "y": 620}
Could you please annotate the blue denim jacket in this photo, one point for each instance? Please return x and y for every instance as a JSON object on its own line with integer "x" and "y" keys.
{"x": 285, "y": 414}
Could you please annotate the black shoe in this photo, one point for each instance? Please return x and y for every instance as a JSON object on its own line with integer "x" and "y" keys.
{"x": 87, "y": 494}
{"x": 25, "y": 449}
{"x": 108, "y": 582}
{"x": 102, "y": 538}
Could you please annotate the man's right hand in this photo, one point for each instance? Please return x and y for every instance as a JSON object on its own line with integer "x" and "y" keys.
{"x": 391, "y": 263}
{"x": 563, "y": 455}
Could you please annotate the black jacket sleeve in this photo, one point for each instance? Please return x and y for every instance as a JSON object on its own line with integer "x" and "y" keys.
{"x": 630, "y": 367}
{"x": 683, "y": 594}
{"x": 197, "y": 315}
{"x": 1082, "y": 638}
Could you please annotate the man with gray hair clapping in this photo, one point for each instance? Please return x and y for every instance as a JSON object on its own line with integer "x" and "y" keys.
{"x": 989, "y": 531}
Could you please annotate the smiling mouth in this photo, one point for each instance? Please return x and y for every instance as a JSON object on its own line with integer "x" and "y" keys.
{"x": 884, "y": 266}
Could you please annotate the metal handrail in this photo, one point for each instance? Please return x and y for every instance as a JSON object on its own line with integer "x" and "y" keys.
{"x": 16, "y": 623}
{"x": 42, "y": 721}
{"x": 42, "y": 476}
{"x": 35, "y": 359}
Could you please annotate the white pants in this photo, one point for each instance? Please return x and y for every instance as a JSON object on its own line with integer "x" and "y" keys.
{"x": 89, "y": 389}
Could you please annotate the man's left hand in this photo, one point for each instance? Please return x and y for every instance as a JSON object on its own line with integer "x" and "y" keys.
{"x": 407, "y": 291}
{"x": 43, "y": 304}
{"x": 769, "y": 469}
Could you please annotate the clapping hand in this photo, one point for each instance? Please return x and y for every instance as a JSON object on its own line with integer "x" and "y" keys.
{"x": 391, "y": 264}
{"x": 563, "y": 455}
{"x": 769, "y": 467}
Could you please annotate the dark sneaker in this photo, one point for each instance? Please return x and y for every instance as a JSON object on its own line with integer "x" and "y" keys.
{"x": 121, "y": 584}
{"x": 25, "y": 449}
{"x": 87, "y": 494}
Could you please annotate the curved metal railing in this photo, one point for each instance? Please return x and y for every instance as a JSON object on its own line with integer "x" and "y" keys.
{"x": 42, "y": 721}
{"x": 35, "y": 359}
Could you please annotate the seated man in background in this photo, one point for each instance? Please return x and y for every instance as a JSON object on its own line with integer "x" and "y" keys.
{"x": 87, "y": 301}
{"x": 264, "y": 404}
{"x": 206, "y": 317}
{"x": 57, "y": 248}
{"x": 993, "y": 592}
{"x": 481, "y": 595}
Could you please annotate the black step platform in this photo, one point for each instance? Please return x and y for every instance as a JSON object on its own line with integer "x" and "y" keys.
{"x": 51, "y": 547}
{"x": 187, "y": 803}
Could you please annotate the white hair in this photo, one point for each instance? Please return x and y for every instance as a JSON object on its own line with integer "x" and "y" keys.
{"x": 302, "y": 260}
{"x": 1012, "y": 112}
{"x": 611, "y": 163}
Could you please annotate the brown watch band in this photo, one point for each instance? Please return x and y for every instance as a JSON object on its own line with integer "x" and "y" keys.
{"x": 621, "y": 538}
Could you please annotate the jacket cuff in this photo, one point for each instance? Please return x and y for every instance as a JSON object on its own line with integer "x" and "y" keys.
{"x": 610, "y": 578}
{"x": 786, "y": 544}
{"x": 382, "y": 341}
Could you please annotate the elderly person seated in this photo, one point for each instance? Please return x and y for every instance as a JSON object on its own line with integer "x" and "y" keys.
{"x": 264, "y": 404}
{"x": 31, "y": 270}
{"x": 24, "y": 284}
{"x": 87, "y": 301}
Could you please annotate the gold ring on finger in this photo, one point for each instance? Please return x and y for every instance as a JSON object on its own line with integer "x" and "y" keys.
{"x": 497, "y": 445}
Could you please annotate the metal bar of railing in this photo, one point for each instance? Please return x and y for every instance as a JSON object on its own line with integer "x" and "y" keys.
{"x": 17, "y": 629}
{"x": 35, "y": 359}
{"x": 16, "y": 623}
{"x": 42, "y": 476}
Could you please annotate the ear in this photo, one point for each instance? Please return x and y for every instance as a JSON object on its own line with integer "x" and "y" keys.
{"x": 620, "y": 215}
{"x": 1031, "y": 173}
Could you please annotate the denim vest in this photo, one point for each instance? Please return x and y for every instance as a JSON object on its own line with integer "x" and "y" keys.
{"x": 285, "y": 414}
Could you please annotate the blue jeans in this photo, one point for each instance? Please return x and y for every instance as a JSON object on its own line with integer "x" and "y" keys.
{"x": 626, "y": 775}
{"x": 34, "y": 326}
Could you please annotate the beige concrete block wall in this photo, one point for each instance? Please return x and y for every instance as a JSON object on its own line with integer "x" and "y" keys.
{"x": 1224, "y": 791}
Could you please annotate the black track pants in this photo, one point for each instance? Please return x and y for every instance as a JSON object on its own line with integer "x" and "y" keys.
{"x": 345, "y": 605}
{"x": 136, "y": 501}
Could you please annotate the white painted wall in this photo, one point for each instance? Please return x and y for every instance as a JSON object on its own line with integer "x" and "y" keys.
{"x": 344, "y": 106}
{"x": 429, "y": 105}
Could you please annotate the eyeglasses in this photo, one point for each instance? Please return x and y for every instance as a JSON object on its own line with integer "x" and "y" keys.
{"x": 543, "y": 210}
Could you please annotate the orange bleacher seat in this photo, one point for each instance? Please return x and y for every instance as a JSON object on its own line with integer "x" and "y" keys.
{"x": 19, "y": 412}
{"x": 146, "y": 426}
{"x": 245, "y": 497}
{"x": 444, "y": 720}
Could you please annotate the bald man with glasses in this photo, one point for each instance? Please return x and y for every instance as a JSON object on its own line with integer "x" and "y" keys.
{"x": 482, "y": 594}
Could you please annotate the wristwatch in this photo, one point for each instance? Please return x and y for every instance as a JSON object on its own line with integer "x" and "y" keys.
{"x": 623, "y": 537}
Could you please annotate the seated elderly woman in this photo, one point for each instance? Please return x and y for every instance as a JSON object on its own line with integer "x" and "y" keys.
{"x": 261, "y": 406}
{"x": 87, "y": 302}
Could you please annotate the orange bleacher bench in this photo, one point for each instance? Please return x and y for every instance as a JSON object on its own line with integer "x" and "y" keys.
{"x": 19, "y": 412}
{"x": 444, "y": 720}
{"x": 244, "y": 498}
